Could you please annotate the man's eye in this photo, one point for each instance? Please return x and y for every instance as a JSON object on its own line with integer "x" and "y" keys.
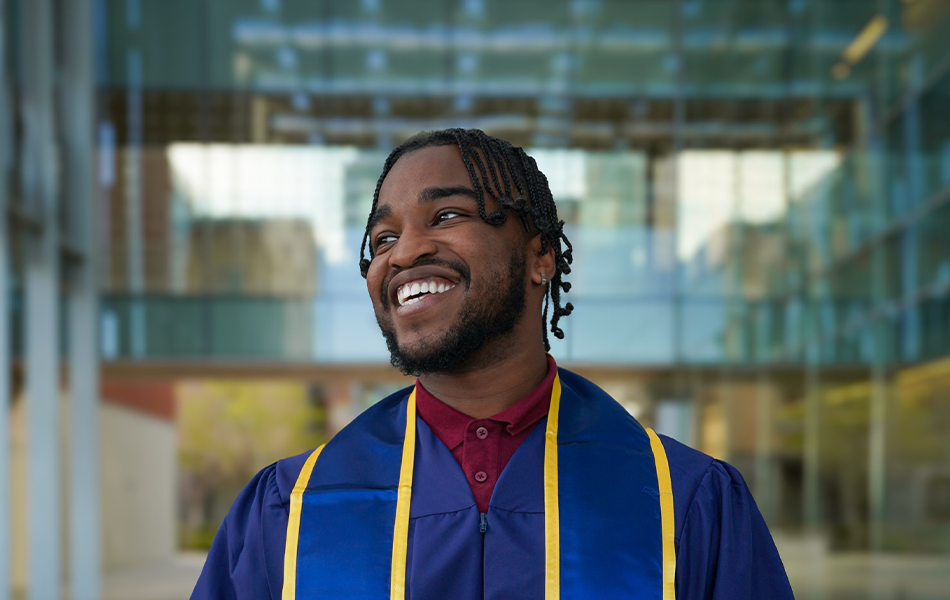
{"x": 384, "y": 239}
{"x": 447, "y": 216}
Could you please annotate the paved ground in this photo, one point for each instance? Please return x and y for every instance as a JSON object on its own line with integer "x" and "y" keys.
{"x": 815, "y": 575}
{"x": 171, "y": 580}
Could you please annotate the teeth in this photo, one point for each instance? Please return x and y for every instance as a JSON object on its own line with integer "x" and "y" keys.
{"x": 410, "y": 293}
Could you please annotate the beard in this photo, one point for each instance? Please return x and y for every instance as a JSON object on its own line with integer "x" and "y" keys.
{"x": 482, "y": 320}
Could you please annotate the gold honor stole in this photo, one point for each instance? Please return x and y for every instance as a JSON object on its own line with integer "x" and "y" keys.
{"x": 608, "y": 504}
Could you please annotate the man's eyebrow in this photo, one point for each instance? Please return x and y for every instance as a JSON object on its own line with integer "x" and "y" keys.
{"x": 432, "y": 194}
{"x": 378, "y": 215}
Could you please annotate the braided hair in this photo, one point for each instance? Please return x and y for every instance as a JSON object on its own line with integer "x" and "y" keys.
{"x": 508, "y": 174}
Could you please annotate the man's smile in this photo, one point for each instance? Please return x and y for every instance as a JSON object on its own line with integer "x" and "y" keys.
{"x": 415, "y": 301}
{"x": 413, "y": 291}
{"x": 418, "y": 287}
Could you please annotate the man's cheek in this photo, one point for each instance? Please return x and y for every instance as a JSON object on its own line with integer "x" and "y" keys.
{"x": 376, "y": 295}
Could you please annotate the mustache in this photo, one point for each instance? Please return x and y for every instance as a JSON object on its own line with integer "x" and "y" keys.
{"x": 460, "y": 268}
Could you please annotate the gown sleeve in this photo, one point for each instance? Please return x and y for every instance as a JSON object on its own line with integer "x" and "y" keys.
{"x": 246, "y": 557}
{"x": 725, "y": 550}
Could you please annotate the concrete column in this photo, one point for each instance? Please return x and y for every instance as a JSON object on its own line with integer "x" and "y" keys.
{"x": 5, "y": 358}
{"x": 41, "y": 297}
{"x": 82, "y": 302}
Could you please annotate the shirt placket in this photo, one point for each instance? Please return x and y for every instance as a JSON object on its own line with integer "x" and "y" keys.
{"x": 482, "y": 437}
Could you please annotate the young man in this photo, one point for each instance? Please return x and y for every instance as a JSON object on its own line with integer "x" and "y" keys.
{"x": 497, "y": 475}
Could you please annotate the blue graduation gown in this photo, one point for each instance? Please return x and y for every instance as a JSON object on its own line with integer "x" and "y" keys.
{"x": 724, "y": 549}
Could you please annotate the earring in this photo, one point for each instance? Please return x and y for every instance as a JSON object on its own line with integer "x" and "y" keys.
{"x": 544, "y": 278}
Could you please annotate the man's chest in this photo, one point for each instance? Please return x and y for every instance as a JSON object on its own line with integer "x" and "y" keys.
{"x": 456, "y": 551}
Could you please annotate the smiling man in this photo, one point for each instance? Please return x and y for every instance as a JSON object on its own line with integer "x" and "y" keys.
{"x": 497, "y": 475}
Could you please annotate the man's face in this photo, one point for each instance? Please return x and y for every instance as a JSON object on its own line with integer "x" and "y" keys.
{"x": 444, "y": 283}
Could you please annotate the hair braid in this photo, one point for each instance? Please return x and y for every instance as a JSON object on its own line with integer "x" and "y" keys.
{"x": 503, "y": 170}
{"x": 472, "y": 160}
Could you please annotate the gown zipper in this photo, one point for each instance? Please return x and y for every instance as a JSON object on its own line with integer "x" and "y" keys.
{"x": 482, "y": 528}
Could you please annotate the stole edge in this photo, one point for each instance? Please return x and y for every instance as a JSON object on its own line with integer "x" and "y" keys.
{"x": 552, "y": 533}
{"x": 289, "y": 591}
{"x": 667, "y": 521}
{"x": 397, "y": 582}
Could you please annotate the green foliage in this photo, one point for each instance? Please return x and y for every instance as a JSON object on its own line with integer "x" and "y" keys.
{"x": 228, "y": 431}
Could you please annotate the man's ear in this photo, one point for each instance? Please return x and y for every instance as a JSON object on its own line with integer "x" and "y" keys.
{"x": 539, "y": 263}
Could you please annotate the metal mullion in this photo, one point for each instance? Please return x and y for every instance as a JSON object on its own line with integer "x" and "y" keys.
{"x": 41, "y": 293}
{"x": 6, "y": 358}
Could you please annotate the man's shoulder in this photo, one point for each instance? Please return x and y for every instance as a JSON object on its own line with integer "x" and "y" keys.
{"x": 287, "y": 470}
{"x": 685, "y": 462}
{"x": 375, "y": 422}
{"x": 688, "y": 469}
{"x": 700, "y": 481}
{"x": 718, "y": 528}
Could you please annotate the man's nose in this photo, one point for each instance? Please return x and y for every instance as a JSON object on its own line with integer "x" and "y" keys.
{"x": 412, "y": 245}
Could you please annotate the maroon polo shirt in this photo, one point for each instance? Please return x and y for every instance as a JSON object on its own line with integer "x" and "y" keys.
{"x": 484, "y": 446}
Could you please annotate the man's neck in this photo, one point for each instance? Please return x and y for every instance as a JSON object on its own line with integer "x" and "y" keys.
{"x": 481, "y": 389}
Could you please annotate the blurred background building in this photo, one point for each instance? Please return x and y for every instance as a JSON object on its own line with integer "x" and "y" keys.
{"x": 758, "y": 193}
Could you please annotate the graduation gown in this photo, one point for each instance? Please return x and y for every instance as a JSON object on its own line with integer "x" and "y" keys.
{"x": 609, "y": 517}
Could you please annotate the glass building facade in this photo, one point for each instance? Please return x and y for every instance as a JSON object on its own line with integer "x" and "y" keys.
{"x": 758, "y": 194}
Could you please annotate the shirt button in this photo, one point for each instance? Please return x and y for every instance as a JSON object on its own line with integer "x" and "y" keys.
{"x": 482, "y": 433}
{"x": 481, "y": 476}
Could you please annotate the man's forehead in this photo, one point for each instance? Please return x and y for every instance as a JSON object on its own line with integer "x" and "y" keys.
{"x": 426, "y": 167}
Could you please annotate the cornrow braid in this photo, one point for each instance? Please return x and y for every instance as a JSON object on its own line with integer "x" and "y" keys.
{"x": 509, "y": 175}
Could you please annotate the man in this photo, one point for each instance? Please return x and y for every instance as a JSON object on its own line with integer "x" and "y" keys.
{"x": 497, "y": 475}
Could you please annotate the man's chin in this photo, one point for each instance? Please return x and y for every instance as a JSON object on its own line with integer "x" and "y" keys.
{"x": 427, "y": 356}
{"x": 412, "y": 360}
